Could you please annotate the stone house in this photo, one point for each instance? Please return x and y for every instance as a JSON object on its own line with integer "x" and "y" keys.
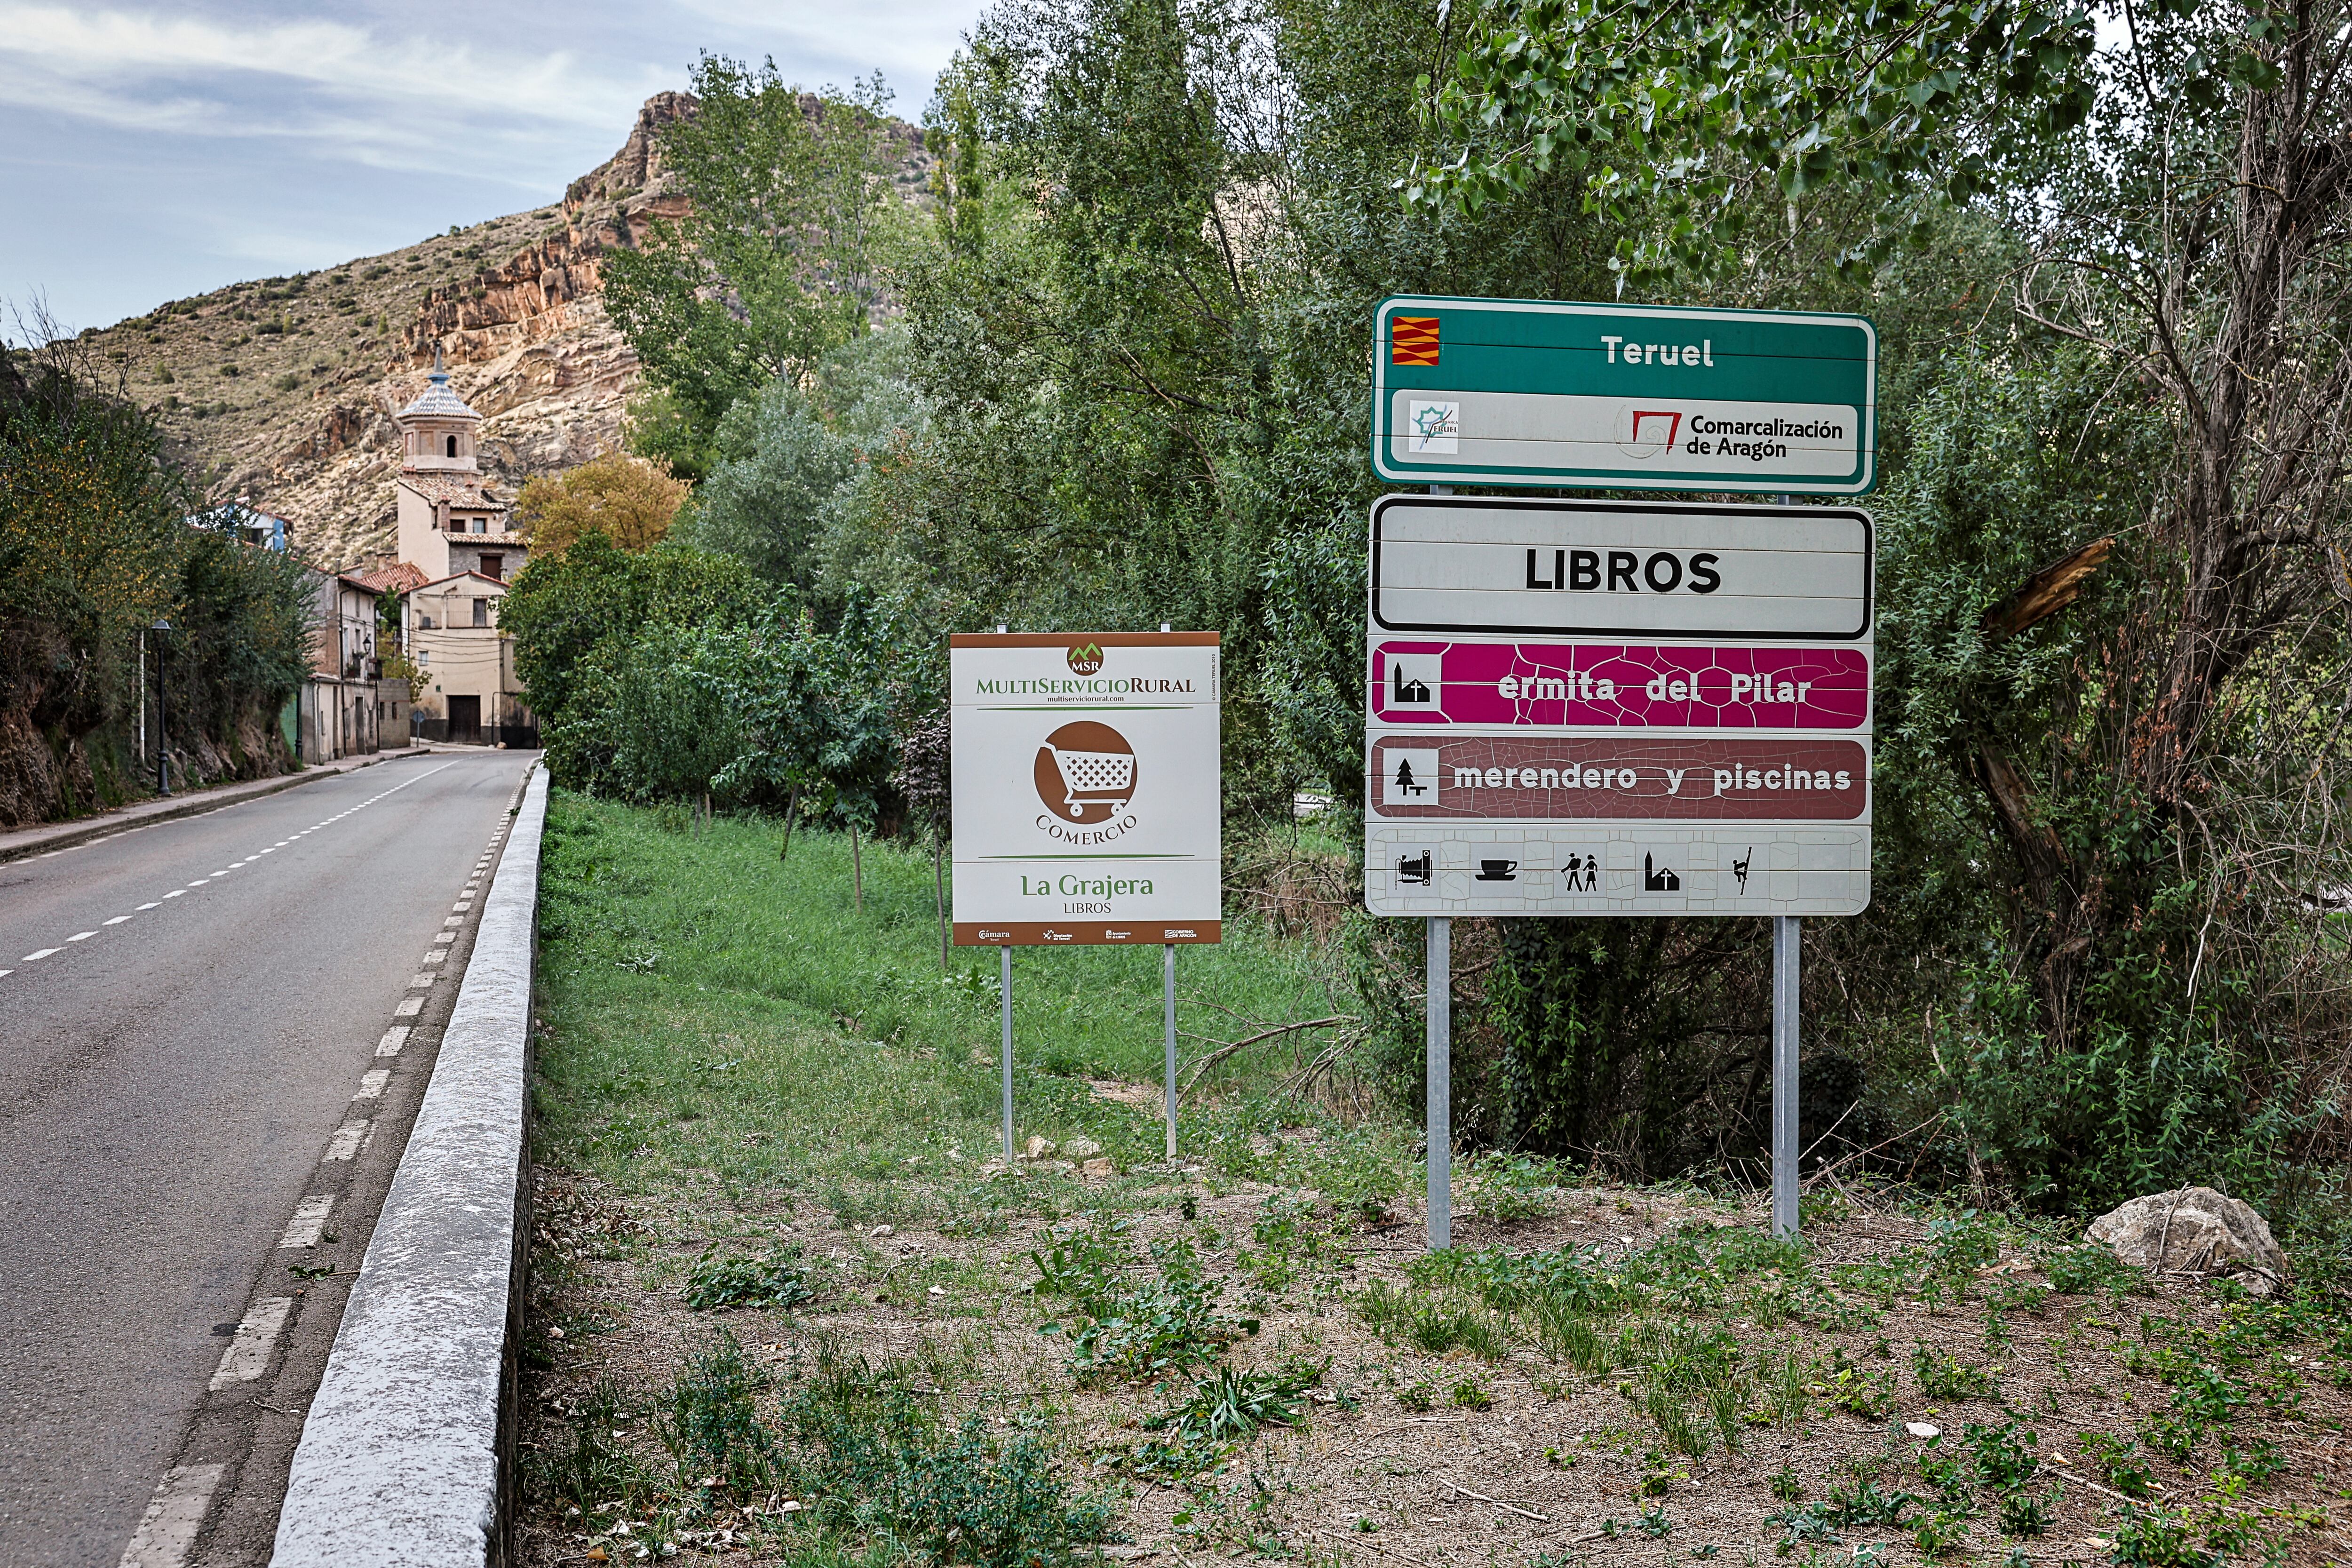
{"x": 340, "y": 711}
{"x": 466, "y": 688}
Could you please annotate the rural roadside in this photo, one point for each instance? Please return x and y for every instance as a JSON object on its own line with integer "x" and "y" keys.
{"x": 220, "y": 1502}
{"x": 789, "y": 1304}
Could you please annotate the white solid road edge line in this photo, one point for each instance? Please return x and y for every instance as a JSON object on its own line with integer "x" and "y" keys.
{"x": 399, "y": 1457}
{"x": 169, "y": 1527}
{"x": 248, "y": 1356}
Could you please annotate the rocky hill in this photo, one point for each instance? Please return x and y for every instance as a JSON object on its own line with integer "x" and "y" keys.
{"x": 281, "y": 390}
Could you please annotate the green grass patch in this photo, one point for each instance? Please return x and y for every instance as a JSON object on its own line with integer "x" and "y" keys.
{"x": 713, "y": 1010}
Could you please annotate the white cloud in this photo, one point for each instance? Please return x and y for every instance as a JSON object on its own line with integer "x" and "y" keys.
{"x": 385, "y": 98}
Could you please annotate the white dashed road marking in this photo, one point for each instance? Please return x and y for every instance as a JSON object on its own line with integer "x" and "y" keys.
{"x": 248, "y": 1356}
{"x": 169, "y": 1526}
{"x": 81, "y": 936}
{"x": 116, "y": 920}
{"x": 309, "y": 1219}
{"x": 372, "y": 1083}
{"x": 409, "y": 1007}
{"x": 346, "y": 1141}
{"x": 394, "y": 1038}
{"x": 176, "y": 892}
{"x": 150, "y": 906}
{"x": 37, "y": 955}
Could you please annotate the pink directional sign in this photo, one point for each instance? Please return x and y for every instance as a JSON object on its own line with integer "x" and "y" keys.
{"x": 1626, "y": 685}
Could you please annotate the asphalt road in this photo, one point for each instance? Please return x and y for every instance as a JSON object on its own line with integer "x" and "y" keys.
{"x": 184, "y": 1010}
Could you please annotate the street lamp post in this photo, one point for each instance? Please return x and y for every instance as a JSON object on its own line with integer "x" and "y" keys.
{"x": 163, "y": 719}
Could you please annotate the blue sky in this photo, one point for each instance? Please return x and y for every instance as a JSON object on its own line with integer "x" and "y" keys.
{"x": 151, "y": 152}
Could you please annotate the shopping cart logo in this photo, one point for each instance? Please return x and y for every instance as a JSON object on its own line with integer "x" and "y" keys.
{"x": 1086, "y": 772}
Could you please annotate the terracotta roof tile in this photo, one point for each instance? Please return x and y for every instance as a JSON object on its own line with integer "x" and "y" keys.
{"x": 397, "y": 578}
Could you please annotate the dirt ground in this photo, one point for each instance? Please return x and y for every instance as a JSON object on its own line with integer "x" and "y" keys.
{"x": 1400, "y": 1456}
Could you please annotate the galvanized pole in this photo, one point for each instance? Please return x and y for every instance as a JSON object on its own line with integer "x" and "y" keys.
{"x": 1787, "y": 945}
{"x": 1005, "y": 989}
{"x": 1787, "y": 949}
{"x": 1440, "y": 1082}
{"x": 1439, "y": 939}
{"x": 1167, "y": 1020}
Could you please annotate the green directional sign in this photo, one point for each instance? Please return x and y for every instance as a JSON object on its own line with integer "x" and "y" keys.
{"x": 1528, "y": 392}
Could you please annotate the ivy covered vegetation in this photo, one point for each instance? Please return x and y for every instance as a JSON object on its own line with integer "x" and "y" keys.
{"x": 1112, "y": 372}
{"x": 102, "y": 534}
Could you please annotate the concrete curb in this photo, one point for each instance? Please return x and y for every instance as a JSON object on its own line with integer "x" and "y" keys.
{"x": 402, "y": 1452}
{"x": 24, "y": 841}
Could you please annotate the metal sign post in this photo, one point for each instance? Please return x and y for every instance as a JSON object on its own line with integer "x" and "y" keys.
{"x": 1440, "y": 979}
{"x": 1167, "y": 1020}
{"x": 1005, "y": 989}
{"x": 1787, "y": 944}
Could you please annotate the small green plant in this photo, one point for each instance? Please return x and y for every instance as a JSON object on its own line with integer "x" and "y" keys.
{"x": 2004, "y": 1456}
{"x": 1790, "y": 1390}
{"x": 2257, "y": 1464}
{"x": 1653, "y": 1522}
{"x": 594, "y": 1468}
{"x": 1385, "y": 1309}
{"x": 1943, "y": 1378}
{"x": 1419, "y": 1395}
{"x": 1228, "y": 1408}
{"x": 2025, "y": 1513}
{"x": 1469, "y": 1396}
{"x": 712, "y": 1427}
{"x": 1570, "y": 1335}
{"x": 2111, "y": 1456}
{"x": 1864, "y": 1504}
{"x": 1803, "y": 1527}
{"x": 2091, "y": 1270}
{"x": 1786, "y": 1485}
{"x": 1868, "y": 1394}
{"x": 2156, "y": 1538}
{"x": 1437, "y": 1327}
{"x": 1939, "y": 1534}
{"x": 1947, "y": 1472}
{"x": 779, "y": 1281}
{"x": 1509, "y": 1188}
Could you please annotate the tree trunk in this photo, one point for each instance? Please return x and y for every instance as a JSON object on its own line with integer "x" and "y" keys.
{"x": 857, "y": 869}
{"x": 792, "y": 810}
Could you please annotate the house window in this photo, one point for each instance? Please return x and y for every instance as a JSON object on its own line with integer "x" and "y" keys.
{"x": 453, "y": 445}
{"x": 481, "y": 525}
{"x": 494, "y": 566}
{"x": 481, "y": 612}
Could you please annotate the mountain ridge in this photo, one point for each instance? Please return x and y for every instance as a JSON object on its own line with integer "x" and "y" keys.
{"x": 280, "y": 391}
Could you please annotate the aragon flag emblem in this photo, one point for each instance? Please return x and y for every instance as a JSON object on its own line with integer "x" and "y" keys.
{"x": 1413, "y": 340}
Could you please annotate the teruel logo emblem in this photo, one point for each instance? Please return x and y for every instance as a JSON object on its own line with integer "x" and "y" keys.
{"x": 1085, "y": 658}
{"x": 1086, "y": 772}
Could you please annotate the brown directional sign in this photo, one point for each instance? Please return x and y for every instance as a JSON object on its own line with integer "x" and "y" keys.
{"x": 1523, "y": 778}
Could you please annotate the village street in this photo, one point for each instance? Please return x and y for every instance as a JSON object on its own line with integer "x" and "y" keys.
{"x": 187, "y": 1013}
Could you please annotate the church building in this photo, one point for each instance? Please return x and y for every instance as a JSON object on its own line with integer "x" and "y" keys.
{"x": 449, "y": 520}
{"x": 455, "y": 535}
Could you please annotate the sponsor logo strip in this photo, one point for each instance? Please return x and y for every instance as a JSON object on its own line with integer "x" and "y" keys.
{"x": 1055, "y": 933}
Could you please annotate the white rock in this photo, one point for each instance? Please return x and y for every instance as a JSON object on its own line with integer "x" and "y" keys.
{"x": 2194, "y": 1230}
{"x": 883, "y": 1230}
{"x": 1037, "y": 1148}
{"x": 1923, "y": 1430}
{"x": 1081, "y": 1149}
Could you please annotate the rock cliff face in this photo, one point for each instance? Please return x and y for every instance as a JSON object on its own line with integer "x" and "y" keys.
{"x": 282, "y": 390}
